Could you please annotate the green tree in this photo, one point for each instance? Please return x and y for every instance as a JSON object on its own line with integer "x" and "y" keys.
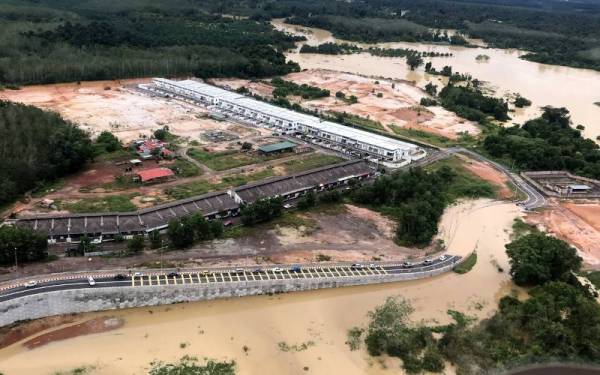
{"x": 29, "y": 246}
{"x": 431, "y": 89}
{"x": 261, "y": 211}
{"x": 307, "y": 201}
{"x": 85, "y": 245}
{"x": 136, "y": 244}
{"x": 537, "y": 258}
{"x": 161, "y": 134}
{"x": 181, "y": 232}
{"x": 414, "y": 61}
{"x": 107, "y": 141}
{"x": 155, "y": 239}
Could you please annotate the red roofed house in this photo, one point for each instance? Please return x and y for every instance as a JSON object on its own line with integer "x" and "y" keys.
{"x": 155, "y": 175}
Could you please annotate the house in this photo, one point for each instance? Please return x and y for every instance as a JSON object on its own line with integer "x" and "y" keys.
{"x": 154, "y": 175}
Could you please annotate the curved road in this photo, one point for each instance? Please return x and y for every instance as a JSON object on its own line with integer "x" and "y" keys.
{"x": 222, "y": 275}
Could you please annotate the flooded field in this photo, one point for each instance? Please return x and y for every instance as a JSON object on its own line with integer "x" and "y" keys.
{"x": 250, "y": 330}
{"x": 575, "y": 89}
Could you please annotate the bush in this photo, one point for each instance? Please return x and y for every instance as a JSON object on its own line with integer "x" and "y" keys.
{"x": 261, "y": 211}
{"x": 136, "y": 244}
{"x": 307, "y": 201}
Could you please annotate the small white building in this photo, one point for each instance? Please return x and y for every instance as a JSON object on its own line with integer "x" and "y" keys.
{"x": 328, "y": 134}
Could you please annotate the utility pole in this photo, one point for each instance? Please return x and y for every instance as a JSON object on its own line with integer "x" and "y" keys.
{"x": 16, "y": 263}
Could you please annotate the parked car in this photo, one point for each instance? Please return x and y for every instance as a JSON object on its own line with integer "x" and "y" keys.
{"x": 206, "y": 273}
{"x": 31, "y": 284}
{"x": 96, "y": 241}
{"x": 239, "y": 271}
{"x": 287, "y": 206}
{"x": 227, "y": 223}
{"x": 277, "y": 270}
{"x": 91, "y": 281}
{"x": 172, "y": 274}
{"x": 137, "y": 274}
{"x": 295, "y": 269}
{"x": 257, "y": 270}
{"x": 357, "y": 266}
{"x": 120, "y": 277}
{"x": 372, "y": 266}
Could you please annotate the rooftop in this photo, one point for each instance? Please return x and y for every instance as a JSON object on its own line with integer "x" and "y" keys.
{"x": 150, "y": 174}
{"x": 272, "y": 147}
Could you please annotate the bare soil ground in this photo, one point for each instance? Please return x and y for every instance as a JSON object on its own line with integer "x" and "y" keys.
{"x": 118, "y": 107}
{"x": 88, "y": 327}
{"x": 19, "y": 331}
{"x": 344, "y": 233}
{"x": 397, "y": 105}
{"x": 576, "y": 223}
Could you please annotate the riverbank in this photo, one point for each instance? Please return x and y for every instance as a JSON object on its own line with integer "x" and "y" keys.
{"x": 220, "y": 329}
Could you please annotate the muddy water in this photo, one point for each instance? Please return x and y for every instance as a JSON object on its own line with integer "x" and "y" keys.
{"x": 575, "y": 89}
{"x": 220, "y": 329}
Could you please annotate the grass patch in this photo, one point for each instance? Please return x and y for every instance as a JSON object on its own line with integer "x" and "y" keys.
{"x": 184, "y": 168}
{"x": 284, "y": 347}
{"x": 222, "y": 161}
{"x": 357, "y": 121}
{"x": 466, "y": 184}
{"x": 423, "y": 136}
{"x": 467, "y": 265}
{"x": 116, "y": 203}
{"x": 117, "y": 155}
{"x": 521, "y": 228}
{"x": 311, "y": 162}
{"x": 119, "y": 183}
{"x": 203, "y": 186}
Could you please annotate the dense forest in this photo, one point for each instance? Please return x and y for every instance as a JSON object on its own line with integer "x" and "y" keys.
{"x": 547, "y": 143}
{"x": 37, "y": 147}
{"x": 58, "y": 41}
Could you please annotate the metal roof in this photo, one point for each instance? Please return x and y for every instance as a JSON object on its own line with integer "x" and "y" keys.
{"x": 272, "y": 147}
{"x": 372, "y": 139}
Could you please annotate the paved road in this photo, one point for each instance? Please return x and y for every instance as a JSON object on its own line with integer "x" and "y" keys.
{"x": 221, "y": 275}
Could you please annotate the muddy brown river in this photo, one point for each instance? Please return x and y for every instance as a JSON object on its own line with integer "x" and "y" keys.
{"x": 575, "y": 89}
{"x": 220, "y": 329}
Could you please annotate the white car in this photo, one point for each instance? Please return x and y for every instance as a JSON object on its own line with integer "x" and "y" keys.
{"x": 91, "y": 281}
{"x": 287, "y": 206}
{"x": 96, "y": 241}
{"x": 137, "y": 274}
{"x": 443, "y": 257}
{"x": 277, "y": 270}
{"x": 30, "y": 284}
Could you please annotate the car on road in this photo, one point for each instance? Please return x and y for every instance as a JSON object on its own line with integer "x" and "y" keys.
{"x": 407, "y": 265}
{"x": 172, "y": 274}
{"x": 91, "y": 281}
{"x": 30, "y": 284}
{"x": 357, "y": 266}
{"x": 443, "y": 257}
{"x": 120, "y": 277}
{"x": 427, "y": 262}
{"x": 372, "y": 266}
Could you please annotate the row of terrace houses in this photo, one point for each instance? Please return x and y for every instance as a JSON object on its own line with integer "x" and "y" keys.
{"x": 217, "y": 205}
{"x": 342, "y": 138}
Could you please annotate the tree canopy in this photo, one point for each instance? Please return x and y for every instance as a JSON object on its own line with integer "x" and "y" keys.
{"x": 30, "y": 246}
{"x": 538, "y": 258}
{"x": 37, "y": 147}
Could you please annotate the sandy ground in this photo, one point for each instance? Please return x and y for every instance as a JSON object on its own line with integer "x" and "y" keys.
{"x": 399, "y": 105}
{"x": 576, "y": 223}
{"x": 119, "y": 109}
{"x": 220, "y": 329}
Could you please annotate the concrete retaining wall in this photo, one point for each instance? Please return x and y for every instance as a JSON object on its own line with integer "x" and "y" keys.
{"x": 100, "y": 299}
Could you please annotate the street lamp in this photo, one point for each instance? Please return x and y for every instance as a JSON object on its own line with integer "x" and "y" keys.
{"x": 16, "y": 263}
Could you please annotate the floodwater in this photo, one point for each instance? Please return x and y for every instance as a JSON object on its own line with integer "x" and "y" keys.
{"x": 575, "y": 89}
{"x": 220, "y": 329}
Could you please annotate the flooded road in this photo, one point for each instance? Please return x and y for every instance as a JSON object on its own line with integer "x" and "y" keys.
{"x": 575, "y": 89}
{"x": 320, "y": 319}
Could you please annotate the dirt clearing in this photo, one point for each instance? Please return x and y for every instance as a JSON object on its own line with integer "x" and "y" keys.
{"x": 116, "y": 106}
{"x": 578, "y": 224}
{"x": 490, "y": 174}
